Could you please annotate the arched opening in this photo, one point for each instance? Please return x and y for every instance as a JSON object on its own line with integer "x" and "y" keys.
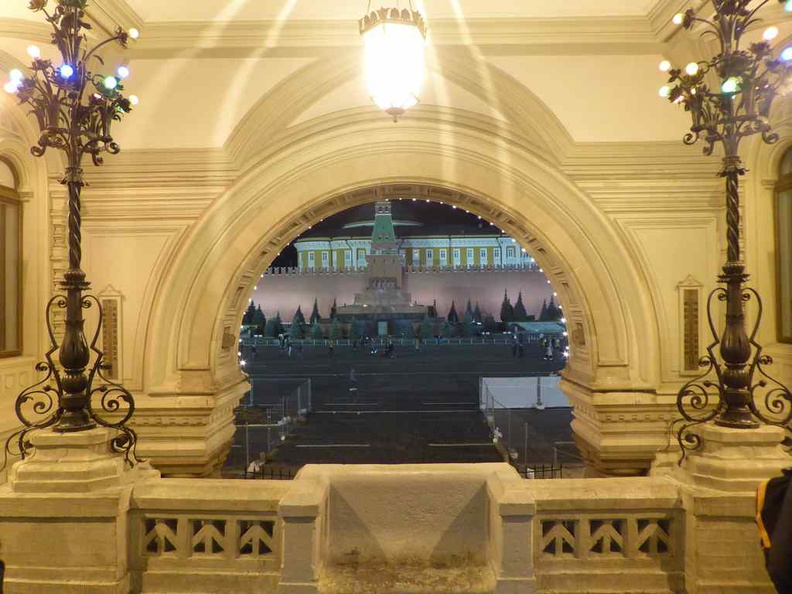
{"x": 404, "y": 330}
{"x": 192, "y": 348}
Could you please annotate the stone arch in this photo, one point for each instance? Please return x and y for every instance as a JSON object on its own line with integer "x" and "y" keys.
{"x": 217, "y": 264}
{"x": 537, "y": 125}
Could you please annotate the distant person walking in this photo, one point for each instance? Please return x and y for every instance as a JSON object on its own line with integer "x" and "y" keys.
{"x": 331, "y": 345}
{"x": 353, "y": 384}
{"x": 253, "y": 353}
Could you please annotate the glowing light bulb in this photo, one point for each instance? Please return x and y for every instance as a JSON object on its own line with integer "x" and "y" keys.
{"x": 665, "y": 66}
{"x": 678, "y": 19}
{"x": 788, "y": 6}
{"x": 786, "y": 55}
{"x": 770, "y": 33}
{"x": 664, "y": 91}
{"x": 122, "y": 72}
{"x": 34, "y": 51}
{"x": 730, "y": 85}
{"x": 10, "y": 87}
{"x": 110, "y": 82}
{"x": 134, "y": 33}
{"x": 66, "y": 71}
{"x": 134, "y": 100}
{"x": 692, "y": 69}
{"x": 16, "y": 75}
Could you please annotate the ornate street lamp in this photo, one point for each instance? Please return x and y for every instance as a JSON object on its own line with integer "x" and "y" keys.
{"x": 395, "y": 57}
{"x": 729, "y": 98}
{"x": 75, "y": 108}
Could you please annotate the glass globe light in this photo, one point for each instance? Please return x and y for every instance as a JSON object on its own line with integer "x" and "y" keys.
{"x": 664, "y": 91}
{"x": 122, "y": 71}
{"x": 788, "y": 6}
{"x": 395, "y": 58}
{"x": 16, "y": 75}
{"x": 110, "y": 82}
{"x": 786, "y": 55}
{"x": 134, "y": 33}
{"x": 665, "y": 66}
{"x": 678, "y": 19}
{"x": 135, "y": 100}
{"x": 34, "y": 52}
{"x": 66, "y": 71}
{"x": 692, "y": 69}
{"x": 730, "y": 85}
{"x": 770, "y": 33}
{"x": 11, "y": 87}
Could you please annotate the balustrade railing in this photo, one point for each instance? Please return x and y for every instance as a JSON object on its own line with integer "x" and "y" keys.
{"x": 191, "y": 535}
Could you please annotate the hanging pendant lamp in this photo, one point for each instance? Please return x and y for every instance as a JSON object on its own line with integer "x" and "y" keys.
{"x": 395, "y": 59}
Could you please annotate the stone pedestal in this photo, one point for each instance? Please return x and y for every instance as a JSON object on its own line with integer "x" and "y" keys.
{"x": 718, "y": 487}
{"x": 735, "y": 460}
{"x": 64, "y": 523}
{"x": 74, "y": 463}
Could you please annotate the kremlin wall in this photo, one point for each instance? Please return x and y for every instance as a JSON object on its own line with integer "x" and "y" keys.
{"x": 283, "y": 289}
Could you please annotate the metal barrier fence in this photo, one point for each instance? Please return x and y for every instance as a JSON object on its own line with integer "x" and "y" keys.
{"x": 260, "y": 341}
{"x": 511, "y": 432}
{"x": 268, "y": 417}
{"x": 542, "y": 471}
{"x": 271, "y": 473}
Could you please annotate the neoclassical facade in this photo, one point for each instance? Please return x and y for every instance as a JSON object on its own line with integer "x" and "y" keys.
{"x": 255, "y": 124}
{"x": 438, "y": 246}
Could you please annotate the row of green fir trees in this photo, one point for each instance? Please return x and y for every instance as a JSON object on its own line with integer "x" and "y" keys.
{"x": 255, "y": 319}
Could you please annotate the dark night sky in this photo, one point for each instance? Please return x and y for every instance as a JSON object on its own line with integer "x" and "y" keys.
{"x": 436, "y": 218}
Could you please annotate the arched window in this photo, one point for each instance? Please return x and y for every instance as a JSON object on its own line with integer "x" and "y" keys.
{"x": 784, "y": 248}
{"x": 10, "y": 264}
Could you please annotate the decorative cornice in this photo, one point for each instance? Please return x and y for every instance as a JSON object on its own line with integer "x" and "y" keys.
{"x": 111, "y": 14}
{"x": 496, "y": 36}
{"x": 34, "y": 31}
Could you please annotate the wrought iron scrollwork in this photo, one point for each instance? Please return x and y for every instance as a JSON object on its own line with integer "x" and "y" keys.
{"x": 702, "y": 400}
{"x": 110, "y": 404}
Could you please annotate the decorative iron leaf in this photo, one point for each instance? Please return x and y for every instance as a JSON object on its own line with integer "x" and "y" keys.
{"x": 37, "y": 5}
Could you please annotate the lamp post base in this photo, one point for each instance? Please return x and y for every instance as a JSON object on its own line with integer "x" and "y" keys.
{"x": 735, "y": 459}
{"x": 75, "y": 463}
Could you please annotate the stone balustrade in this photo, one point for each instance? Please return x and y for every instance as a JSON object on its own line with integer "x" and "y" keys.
{"x": 207, "y": 535}
{"x": 442, "y": 528}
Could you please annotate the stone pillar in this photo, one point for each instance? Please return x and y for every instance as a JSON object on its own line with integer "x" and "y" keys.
{"x": 719, "y": 482}
{"x": 513, "y": 535}
{"x": 63, "y": 516}
{"x": 302, "y": 514}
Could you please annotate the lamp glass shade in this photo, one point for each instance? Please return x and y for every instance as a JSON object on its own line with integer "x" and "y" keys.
{"x": 395, "y": 65}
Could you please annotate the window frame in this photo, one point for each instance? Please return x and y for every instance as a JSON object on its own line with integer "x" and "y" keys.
{"x": 10, "y": 196}
{"x": 784, "y": 184}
